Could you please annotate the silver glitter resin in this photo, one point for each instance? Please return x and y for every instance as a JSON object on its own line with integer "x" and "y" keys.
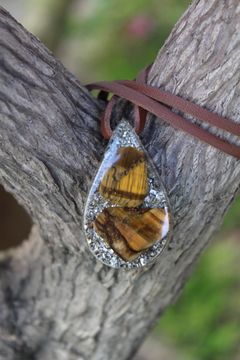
{"x": 123, "y": 136}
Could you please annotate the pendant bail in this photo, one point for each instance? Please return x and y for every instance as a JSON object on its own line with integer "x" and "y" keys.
{"x": 139, "y": 118}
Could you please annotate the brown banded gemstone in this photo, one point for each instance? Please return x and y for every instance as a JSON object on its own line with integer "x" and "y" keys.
{"x": 129, "y": 231}
{"x": 125, "y": 181}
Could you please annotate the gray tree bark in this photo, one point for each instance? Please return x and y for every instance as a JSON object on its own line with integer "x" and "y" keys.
{"x": 57, "y": 301}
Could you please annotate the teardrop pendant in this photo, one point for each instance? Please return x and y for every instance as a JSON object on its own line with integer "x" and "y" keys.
{"x": 127, "y": 219}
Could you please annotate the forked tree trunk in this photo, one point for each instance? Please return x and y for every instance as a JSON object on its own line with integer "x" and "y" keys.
{"x": 57, "y": 301}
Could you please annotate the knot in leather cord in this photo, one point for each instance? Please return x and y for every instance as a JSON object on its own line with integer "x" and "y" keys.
{"x": 149, "y": 98}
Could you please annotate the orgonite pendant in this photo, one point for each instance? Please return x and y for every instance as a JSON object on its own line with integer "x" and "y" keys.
{"x": 127, "y": 218}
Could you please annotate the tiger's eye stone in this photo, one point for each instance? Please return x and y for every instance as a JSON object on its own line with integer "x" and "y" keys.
{"x": 125, "y": 181}
{"x": 130, "y": 232}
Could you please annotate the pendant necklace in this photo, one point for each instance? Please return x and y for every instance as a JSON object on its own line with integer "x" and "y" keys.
{"x": 127, "y": 218}
{"x": 127, "y": 215}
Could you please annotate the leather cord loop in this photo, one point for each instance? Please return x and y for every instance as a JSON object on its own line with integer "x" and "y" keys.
{"x": 149, "y": 98}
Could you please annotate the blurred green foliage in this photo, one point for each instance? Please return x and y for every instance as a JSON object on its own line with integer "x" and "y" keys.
{"x": 127, "y": 34}
{"x": 205, "y": 322}
{"x": 232, "y": 218}
{"x": 107, "y": 39}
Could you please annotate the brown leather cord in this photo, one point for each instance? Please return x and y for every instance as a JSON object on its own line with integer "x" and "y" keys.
{"x": 140, "y": 113}
{"x": 146, "y": 98}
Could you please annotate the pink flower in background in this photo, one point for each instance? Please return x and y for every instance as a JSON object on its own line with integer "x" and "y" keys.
{"x": 140, "y": 26}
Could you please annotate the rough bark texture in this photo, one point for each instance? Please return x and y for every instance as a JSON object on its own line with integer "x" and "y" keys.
{"x": 57, "y": 301}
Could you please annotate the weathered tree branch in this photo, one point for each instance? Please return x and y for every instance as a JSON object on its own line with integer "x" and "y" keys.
{"x": 57, "y": 301}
